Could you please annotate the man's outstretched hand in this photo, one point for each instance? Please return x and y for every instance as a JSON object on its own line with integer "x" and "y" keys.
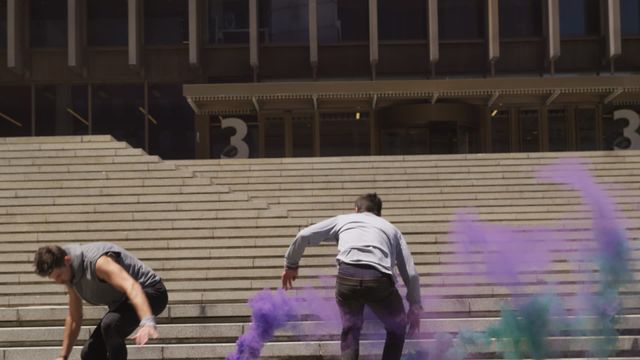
{"x": 288, "y": 277}
{"x": 145, "y": 333}
{"x": 413, "y": 318}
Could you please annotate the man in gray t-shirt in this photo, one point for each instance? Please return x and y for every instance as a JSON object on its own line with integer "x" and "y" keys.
{"x": 102, "y": 273}
{"x": 370, "y": 249}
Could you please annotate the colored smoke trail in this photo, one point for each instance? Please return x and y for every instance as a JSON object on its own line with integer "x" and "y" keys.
{"x": 270, "y": 311}
{"x": 504, "y": 252}
{"x": 610, "y": 254}
{"x": 525, "y": 325}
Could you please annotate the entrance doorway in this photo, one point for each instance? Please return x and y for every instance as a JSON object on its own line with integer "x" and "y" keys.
{"x": 430, "y": 129}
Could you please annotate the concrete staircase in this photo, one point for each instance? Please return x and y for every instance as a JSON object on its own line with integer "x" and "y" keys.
{"x": 216, "y": 232}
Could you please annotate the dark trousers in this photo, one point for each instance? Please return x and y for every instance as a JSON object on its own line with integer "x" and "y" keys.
{"x": 107, "y": 339}
{"x": 383, "y": 299}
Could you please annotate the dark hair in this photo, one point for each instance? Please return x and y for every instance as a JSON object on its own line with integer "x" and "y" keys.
{"x": 369, "y": 203}
{"x": 48, "y": 258}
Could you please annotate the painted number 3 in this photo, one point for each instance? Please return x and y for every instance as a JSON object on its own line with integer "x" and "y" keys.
{"x": 630, "y": 138}
{"x": 237, "y": 148}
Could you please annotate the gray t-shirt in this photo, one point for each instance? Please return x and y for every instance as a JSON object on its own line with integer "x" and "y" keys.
{"x": 96, "y": 291}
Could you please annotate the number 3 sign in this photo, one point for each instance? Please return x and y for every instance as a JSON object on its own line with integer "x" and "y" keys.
{"x": 237, "y": 148}
{"x": 630, "y": 138}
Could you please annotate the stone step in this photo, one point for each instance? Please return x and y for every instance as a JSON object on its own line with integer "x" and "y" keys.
{"x": 176, "y": 313}
{"x": 101, "y": 168}
{"x": 31, "y": 283}
{"x": 442, "y": 253}
{"x": 123, "y": 199}
{"x": 445, "y": 160}
{"x": 103, "y": 183}
{"x": 119, "y": 224}
{"x": 228, "y": 332}
{"x": 246, "y": 228}
{"x": 176, "y": 207}
{"x": 275, "y": 218}
{"x": 112, "y": 191}
{"x": 38, "y": 155}
{"x": 241, "y": 289}
{"x": 302, "y": 350}
{"x": 602, "y": 172}
{"x": 153, "y": 172}
{"x": 101, "y": 145}
{"x": 56, "y": 139}
{"x": 22, "y": 163}
{"x": 141, "y": 216}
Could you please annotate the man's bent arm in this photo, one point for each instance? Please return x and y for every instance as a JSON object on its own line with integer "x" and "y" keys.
{"x": 110, "y": 271}
{"x": 408, "y": 273}
{"x": 311, "y": 235}
{"x": 72, "y": 323}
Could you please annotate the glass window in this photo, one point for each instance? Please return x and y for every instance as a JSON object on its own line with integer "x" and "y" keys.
{"x": 343, "y": 21}
{"x": 107, "y": 23}
{"x": 461, "y": 19}
{"x": 586, "y": 129}
{"x": 284, "y": 21}
{"x": 274, "y": 136}
{"x": 234, "y": 136}
{"x": 529, "y": 131}
{"x": 171, "y": 132}
{"x": 48, "y": 23}
{"x": 630, "y": 17}
{"x": 3, "y": 24}
{"x": 166, "y": 22}
{"x": 302, "y": 135}
{"x": 443, "y": 137}
{"x": 520, "y": 18}
{"x": 405, "y": 22}
{"x": 501, "y": 132}
{"x": 558, "y": 132}
{"x": 62, "y": 110}
{"x": 469, "y": 139}
{"x": 404, "y": 141}
{"x": 15, "y": 111}
{"x": 118, "y": 111}
{"x": 228, "y": 22}
{"x": 579, "y": 18}
{"x": 344, "y": 134}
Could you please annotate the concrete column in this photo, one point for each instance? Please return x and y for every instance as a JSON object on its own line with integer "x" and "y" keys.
{"x": 16, "y": 19}
{"x": 75, "y": 33}
{"x": 494, "y": 32}
{"x": 316, "y": 133}
{"x": 195, "y": 32}
{"x": 434, "y": 46}
{"x": 288, "y": 134}
{"x": 202, "y": 127}
{"x": 614, "y": 41}
{"x": 553, "y": 31}
{"x": 135, "y": 19}
{"x": 373, "y": 36}
{"x": 253, "y": 38}
{"x": 374, "y": 133}
{"x": 313, "y": 37}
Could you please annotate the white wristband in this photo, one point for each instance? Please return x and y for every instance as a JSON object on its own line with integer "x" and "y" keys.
{"x": 148, "y": 320}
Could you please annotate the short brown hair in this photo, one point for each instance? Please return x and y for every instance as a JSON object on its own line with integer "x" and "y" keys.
{"x": 48, "y": 258}
{"x": 369, "y": 203}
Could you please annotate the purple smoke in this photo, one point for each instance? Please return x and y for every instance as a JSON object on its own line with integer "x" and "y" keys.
{"x": 270, "y": 311}
{"x": 310, "y": 301}
{"x": 502, "y": 252}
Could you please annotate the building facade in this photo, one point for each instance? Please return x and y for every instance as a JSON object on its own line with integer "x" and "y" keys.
{"x": 285, "y": 78}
